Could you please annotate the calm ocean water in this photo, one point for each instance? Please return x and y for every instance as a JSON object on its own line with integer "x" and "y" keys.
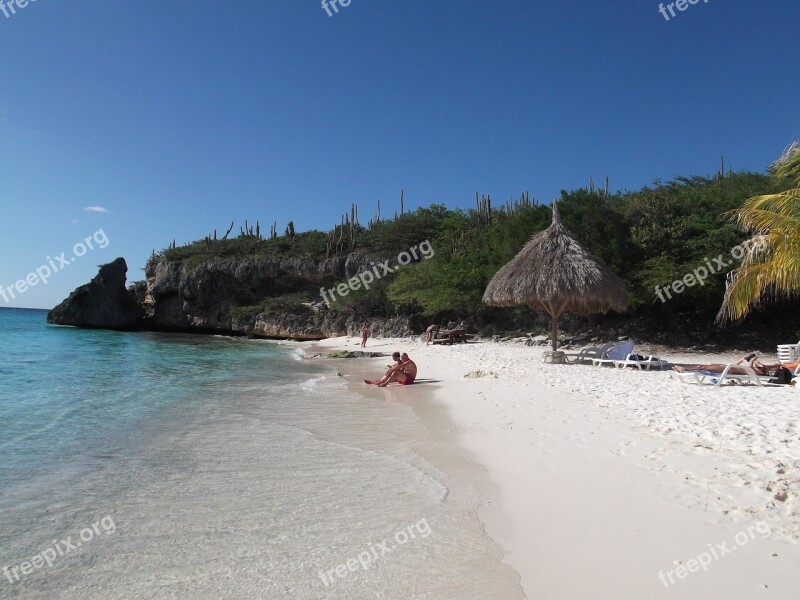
{"x": 137, "y": 465}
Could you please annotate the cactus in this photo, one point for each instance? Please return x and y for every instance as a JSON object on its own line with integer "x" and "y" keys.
{"x": 377, "y": 219}
{"x": 329, "y": 241}
{"x": 484, "y": 208}
{"x": 227, "y": 233}
{"x": 352, "y": 226}
{"x": 524, "y": 201}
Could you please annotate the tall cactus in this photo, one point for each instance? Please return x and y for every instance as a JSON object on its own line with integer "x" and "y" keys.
{"x": 352, "y": 226}
{"x": 484, "y": 208}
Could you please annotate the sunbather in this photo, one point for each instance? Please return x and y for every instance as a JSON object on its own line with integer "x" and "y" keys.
{"x": 753, "y": 363}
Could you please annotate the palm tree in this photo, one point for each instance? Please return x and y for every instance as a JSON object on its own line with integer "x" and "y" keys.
{"x": 770, "y": 267}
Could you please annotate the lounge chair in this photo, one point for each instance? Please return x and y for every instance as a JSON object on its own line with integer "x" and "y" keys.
{"x": 789, "y": 353}
{"x": 712, "y": 378}
{"x": 620, "y": 351}
{"x": 632, "y": 360}
{"x": 588, "y": 354}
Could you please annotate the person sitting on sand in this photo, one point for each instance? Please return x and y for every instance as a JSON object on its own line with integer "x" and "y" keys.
{"x": 403, "y": 373}
{"x": 397, "y": 360}
{"x": 758, "y": 367}
{"x": 432, "y": 328}
{"x": 397, "y": 363}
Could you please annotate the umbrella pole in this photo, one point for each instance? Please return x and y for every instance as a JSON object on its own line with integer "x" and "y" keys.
{"x": 554, "y": 331}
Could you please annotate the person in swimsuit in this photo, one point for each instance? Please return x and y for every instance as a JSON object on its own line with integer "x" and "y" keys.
{"x": 364, "y": 334}
{"x": 758, "y": 367}
{"x": 404, "y": 373}
{"x": 409, "y": 372}
{"x": 432, "y": 329}
{"x": 397, "y": 363}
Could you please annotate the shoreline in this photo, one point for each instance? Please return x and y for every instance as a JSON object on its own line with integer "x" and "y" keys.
{"x": 589, "y": 500}
{"x": 441, "y": 448}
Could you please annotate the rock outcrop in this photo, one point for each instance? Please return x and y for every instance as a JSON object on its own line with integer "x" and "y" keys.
{"x": 228, "y": 296}
{"x": 104, "y": 303}
{"x": 205, "y": 297}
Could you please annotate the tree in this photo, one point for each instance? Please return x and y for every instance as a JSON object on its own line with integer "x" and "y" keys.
{"x": 770, "y": 268}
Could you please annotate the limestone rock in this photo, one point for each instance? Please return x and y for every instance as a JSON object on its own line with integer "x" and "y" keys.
{"x": 104, "y": 303}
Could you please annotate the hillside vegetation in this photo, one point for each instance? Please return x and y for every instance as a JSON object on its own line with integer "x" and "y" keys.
{"x": 649, "y": 237}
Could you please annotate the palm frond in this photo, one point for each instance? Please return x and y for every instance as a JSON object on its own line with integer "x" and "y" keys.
{"x": 753, "y": 284}
{"x": 770, "y": 268}
{"x": 788, "y": 165}
{"x": 785, "y": 204}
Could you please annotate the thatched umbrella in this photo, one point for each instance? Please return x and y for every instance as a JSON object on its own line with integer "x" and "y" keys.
{"x": 555, "y": 273}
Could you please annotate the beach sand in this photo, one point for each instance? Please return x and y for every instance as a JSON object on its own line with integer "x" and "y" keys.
{"x": 604, "y": 483}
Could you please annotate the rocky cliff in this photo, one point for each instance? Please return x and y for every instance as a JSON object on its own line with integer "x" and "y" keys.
{"x": 229, "y": 296}
{"x": 103, "y": 303}
{"x": 206, "y": 297}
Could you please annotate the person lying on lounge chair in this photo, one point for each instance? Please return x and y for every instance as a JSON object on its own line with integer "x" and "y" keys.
{"x": 758, "y": 367}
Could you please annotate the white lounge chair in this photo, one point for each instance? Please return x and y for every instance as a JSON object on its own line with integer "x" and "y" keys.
{"x": 712, "y": 378}
{"x": 789, "y": 353}
{"x": 588, "y": 354}
{"x": 632, "y": 360}
{"x": 620, "y": 351}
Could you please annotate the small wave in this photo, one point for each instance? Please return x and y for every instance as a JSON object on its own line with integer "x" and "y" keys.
{"x": 311, "y": 384}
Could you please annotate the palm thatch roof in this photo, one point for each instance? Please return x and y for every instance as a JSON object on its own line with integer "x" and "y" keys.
{"x": 555, "y": 273}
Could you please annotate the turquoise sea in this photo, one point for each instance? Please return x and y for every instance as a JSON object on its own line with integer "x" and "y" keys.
{"x": 144, "y": 465}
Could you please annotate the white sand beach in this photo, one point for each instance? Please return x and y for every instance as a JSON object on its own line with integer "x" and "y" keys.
{"x": 609, "y": 483}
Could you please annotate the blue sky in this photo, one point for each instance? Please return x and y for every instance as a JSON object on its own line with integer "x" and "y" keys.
{"x": 178, "y": 117}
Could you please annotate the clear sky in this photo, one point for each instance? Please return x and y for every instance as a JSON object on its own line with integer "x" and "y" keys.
{"x": 173, "y": 118}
